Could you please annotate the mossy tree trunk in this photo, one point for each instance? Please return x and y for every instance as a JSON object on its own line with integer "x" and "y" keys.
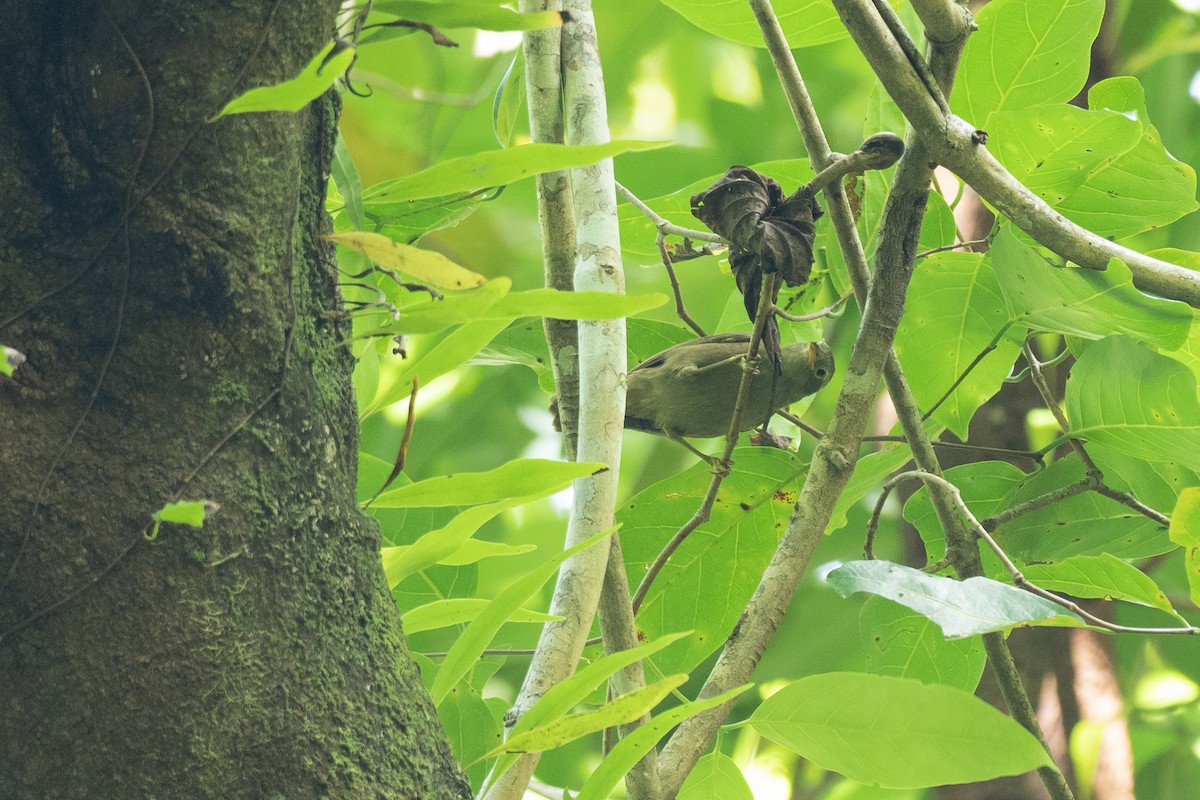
{"x": 181, "y": 324}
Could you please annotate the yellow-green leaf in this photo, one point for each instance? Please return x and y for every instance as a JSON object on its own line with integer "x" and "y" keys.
{"x": 294, "y": 94}
{"x": 424, "y": 265}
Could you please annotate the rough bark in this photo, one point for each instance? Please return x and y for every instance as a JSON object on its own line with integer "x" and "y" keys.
{"x": 180, "y": 321}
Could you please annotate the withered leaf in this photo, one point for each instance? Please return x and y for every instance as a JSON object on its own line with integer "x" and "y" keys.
{"x": 767, "y": 233}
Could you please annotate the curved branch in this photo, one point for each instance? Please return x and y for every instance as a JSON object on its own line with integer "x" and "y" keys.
{"x": 957, "y": 145}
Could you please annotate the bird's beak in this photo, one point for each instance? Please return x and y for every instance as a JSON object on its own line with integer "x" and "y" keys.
{"x": 812, "y": 354}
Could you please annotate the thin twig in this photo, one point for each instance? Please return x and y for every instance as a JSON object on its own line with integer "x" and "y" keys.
{"x": 766, "y": 303}
{"x": 1038, "y": 377}
{"x": 666, "y": 227}
{"x": 969, "y": 368}
{"x": 824, "y": 312}
{"x": 946, "y": 247}
{"x": 680, "y": 310}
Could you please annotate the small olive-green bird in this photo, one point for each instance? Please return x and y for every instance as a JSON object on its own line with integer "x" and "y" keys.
{"x": 689, "y": 390}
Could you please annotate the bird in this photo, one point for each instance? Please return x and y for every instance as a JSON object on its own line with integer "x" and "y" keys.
{"x": 689, "y": 390}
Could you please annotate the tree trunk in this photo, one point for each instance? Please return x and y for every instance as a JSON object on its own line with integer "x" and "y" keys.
{"x": 181, "y": 324}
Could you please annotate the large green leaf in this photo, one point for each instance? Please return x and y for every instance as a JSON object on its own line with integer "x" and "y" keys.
{"x": 1025, "y": 53}
{"x": 520, "y": 478}
{"x": 1145, "y": 183}
{"x": 705, "y": 584}
{"x": 1155, "y": 483}
{"x": 953, "y": 313}
{"x": 715, "y": 777}
{"x": 1083, "y": 302}
{"x": 1084, "y": 524}
{"x": 904, "y": 644}
{"x": 496, "y": 168}
{"x": 960, "y": 608}
{"x": 1144, "y": 404}
{"x": 805, "y": 22}
{"x": 294, "y": 94}
{"x": 896, "y": 732}
{"x": 1101, "y": 576}
{"x": 1100, "y": 169}
{"x": 1185, "y": 532}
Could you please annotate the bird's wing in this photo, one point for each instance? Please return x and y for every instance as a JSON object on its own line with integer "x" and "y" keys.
{"x": 671, "y": 357}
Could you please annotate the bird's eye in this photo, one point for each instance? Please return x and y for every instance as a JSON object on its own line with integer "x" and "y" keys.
{"x": 820, "y": 373}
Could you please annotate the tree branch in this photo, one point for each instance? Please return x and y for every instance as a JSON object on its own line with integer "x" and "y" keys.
{"x": 955, "y": 144}
{"x": 601, "y": 353}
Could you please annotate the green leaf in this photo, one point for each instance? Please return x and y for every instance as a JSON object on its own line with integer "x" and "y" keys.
{"x": 984, "y": 487}
{"x": 484, "y": 16}
{"x": 870, "y": 471}
{"x": 429, "y": 315}
{"x": 634, "y": 747}
{"x": 454, "y": 350}
{"x": 954, "y": 311}
{"x": 565, "y": 695}
{"x": 409, "y": 220}
{"x": 467, "y": 649}
{"x": 366, "y": 373}
{"x": 896, "y": 732}
{"x": 349, "y": 185}
{"x": 295, "y": 94}
{"x": 715, "y": 777}
{"x": 459, "y": 611}
{"x": 420, "y": 313}
{"x": 1100, "y": 169}
{"x": 904, "y": 644}
{"x": 1123, "y": 395}
{"x": 574, "y": 305}
{"x": 707, "y": 581}
{"x": 1104, "y": 576}
{"x": 1155, "y": 483}
{"x": 496, "y": 168}
{"x": 617, "y": 711}
{"x": 1084, "y": 524}
{"x": 471, "y": 728}
{"x": 805, "y": 23}
{"x": 1185, "y": 532}
{"x": 519, "y": 478}
{"x": 473, "y": 550}
{"x": 960, "y": 608}
{"x": 184, "y": 512}
{"x": 427, "y": 266}
{"x": 1025, "y": 53}
{"x": 1083, "y": 302}
{"x": 509, "y": 101}
{"x": 938, "y": 228}
{"x": 12, "y": 358}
